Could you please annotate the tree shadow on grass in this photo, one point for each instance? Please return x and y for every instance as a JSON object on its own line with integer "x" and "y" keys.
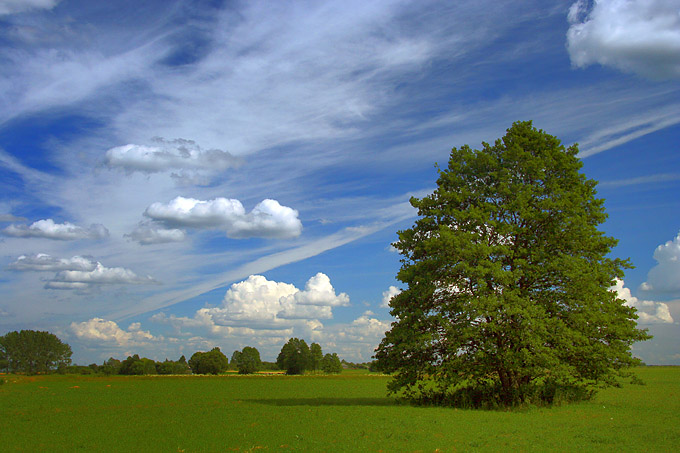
{"x": 326, "y": 401}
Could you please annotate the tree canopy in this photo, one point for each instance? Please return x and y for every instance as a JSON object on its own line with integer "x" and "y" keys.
{"x": 212, "y": 362}
{"x": 30, "y": 351}
{"x": 508, "y": 281}
{"x": 248, "y": 360}
{"x": 295, "y": 356}
{"x": 316, "y": 356}
{"x": 331, "y": 363}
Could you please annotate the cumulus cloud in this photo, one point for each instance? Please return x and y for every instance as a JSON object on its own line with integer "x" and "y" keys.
{"x": 78, "y": 272}
{"x": 266, "y": 304}
{"x": 388, "y": 295}
{"x": 357, "y": 339}
{"x": 101, "y": 330}
{"x": 319, "y": 292}
{"x": 181, "y": 155}
{"x": 665, "y": 276}
{"x": 267, "y": 307}
{"x": 42, "y": 262}
{"x": 268, "y": 219}
{"x": 649, "y": 312}
{"x": 100, "y": 275}
{"x": 148, "y": 233}
{"x": 58, "y": 231}
{"x": 19, "y": 6}
{"x": 639, "y": 36}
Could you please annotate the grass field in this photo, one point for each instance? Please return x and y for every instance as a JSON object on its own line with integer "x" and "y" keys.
{"x": 349, "y": 412}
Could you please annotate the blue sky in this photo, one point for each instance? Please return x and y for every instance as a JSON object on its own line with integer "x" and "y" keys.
{"x": 182, "y": 175}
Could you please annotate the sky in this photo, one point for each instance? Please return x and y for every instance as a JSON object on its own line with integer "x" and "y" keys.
{"x": 180, "y": 175}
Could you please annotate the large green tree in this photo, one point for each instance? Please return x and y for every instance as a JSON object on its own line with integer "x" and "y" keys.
{"x": 211, "y": 362}
{"x": 295, "y": 356}
{"x": 30, "y": 351}
{"x": 248, "y": 361}
{"x": 330, "y": 363}
{"x": 508, "y": 281}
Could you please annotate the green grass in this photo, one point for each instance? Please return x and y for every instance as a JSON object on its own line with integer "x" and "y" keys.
{"x": 349, "y": 412}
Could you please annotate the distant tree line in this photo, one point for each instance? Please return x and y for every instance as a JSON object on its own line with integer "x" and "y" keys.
{"x": 34, "y": 352}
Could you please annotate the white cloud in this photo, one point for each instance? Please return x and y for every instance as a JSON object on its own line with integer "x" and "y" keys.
{"x": 11, "y": 218}
{"x": 319, "y": 291}
{"x": 101, "y": 330}
{"x": 265, "y": 305}
{"x": 19, "y": 6}
{"x": 78, "y": 272}
{"x": 665, "y": 276}
{"x": 183, "y": 155}
{"x": 388, "y": 295}
{"x": 268, "y": 219}
{"x": 640, "y": 36}
{"x": 58, "y": 231}
{"x": 649, "y": 312}
{"x": 357, "y": 340}
{"x": 100, "y": 275}
{"x": 42, "y": 262}
{"x": 147, "y": 233}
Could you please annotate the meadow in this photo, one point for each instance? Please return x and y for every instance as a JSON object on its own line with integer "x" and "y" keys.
{"x": 347, "y": 412}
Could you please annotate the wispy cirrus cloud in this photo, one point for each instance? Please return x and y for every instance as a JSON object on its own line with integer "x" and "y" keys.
{"x": 19, "y": 6}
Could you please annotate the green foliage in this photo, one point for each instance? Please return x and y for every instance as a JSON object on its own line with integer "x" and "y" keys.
{"x": 212, "y": 362}
{"x": 295, "y": 357}
{"x": 111, "y": 366}
{"x": 30, "y": 351}
{"x": 248, "y": 361}
{"x": 134, "y": 365}
{"x": 331, "y": 363}
{"x": 316, "y": 356}
{"x": 234, "y": 359}
{"x": 508, "y": 281}
{"x": 171, "y": 367}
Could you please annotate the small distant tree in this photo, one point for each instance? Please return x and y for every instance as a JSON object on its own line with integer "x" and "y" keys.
{"x": 30, "y": 351}
{"x": 212, "y": 362}
{"x": 316, "y": 356}
{"x": 331, "y": 363}
{"x": 294, "y": 357}
{"x": 248, "y": 361}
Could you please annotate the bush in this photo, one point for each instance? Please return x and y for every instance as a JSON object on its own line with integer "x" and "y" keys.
{"x": 490, "y": 396}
